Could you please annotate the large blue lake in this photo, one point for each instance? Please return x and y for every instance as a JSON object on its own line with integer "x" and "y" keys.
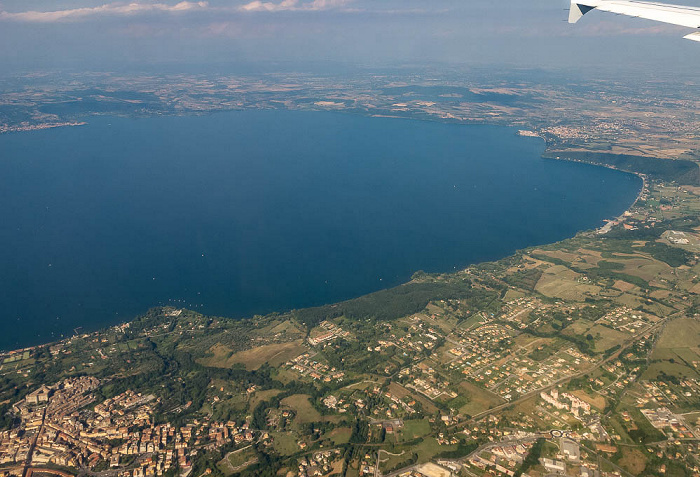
{"x": 258, "y": 211}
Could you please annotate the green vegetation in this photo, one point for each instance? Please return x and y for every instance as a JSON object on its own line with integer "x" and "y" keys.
{"x": 675, "y": 257}
{"x": 387, "y": 305}
{"x": 532, "y": 459}
{"x": 525, "y": 279}
{"x": 681, "y": 171}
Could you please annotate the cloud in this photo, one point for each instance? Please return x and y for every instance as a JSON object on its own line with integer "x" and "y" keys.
{"x": 110, "y": 9}
{"x": 293, "y": 5}
{"x": 135, "y": 9}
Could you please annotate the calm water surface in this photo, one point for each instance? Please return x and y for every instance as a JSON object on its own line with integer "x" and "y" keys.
{"x": 258, "y": 211}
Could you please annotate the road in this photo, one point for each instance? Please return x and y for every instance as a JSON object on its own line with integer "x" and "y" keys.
{"x": 484, "y": 448}
{"x": 601, "y": 458}
{"x": 30, "y": 454}
{"x": 377, "y": 472}
{"x": 625, "y": 344}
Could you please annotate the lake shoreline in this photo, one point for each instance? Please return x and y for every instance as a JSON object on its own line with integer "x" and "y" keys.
{"x": 419, "y": 121}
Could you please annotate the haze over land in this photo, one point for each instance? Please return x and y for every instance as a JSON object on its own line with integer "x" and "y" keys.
{"x": 221, "y": 35}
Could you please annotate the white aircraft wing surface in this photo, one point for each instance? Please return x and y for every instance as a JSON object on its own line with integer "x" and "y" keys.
{"x": 674, "y": 14}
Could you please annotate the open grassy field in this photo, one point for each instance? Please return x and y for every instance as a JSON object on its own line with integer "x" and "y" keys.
{"x": 285, "y": 327}
{"x": 339, "y": 436}
{"x": 235, "y": 404}
{"x": 529, "y": 343}
{"x": 527, "y": 408}
{"x": 633, "y": 460}
{"x": 443, "y": 323}
{"x": 261, "y": 396}
{"x": 394, "y": 461}
{"x": 671, "y": 369}
{"x": 427, "y": 449}
{"x": 594, "y": 400}
{"x": 285, "y": 443}
{"x": 689, "y": 356}
{"x": 677, "y": 352}
{"x": 399, "y": 391}
{"x": 646, "y": 268}
{"x": 480, "y": 400}
{"x": 413, "y": 429}
{"x": 582, "y": 258}
{"x": 624, "y": 286}
{"x": 513, "y": 295}
{"x": 579, "y": 327}
{"x": 353, "y": 469}
{"x": 284, "y": 375}
{"x": 273, "y": 354}
{"x": 681, "y": 333}
{"x": 305, "y": 412}
{"x": 629, "y": 300}
{"x": 606, "y": 338}
{"x": 362, "y": 385}
{"x": 471, "y": 322}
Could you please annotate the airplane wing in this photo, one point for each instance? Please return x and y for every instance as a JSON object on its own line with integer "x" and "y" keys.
{"x": 674, "y": 14}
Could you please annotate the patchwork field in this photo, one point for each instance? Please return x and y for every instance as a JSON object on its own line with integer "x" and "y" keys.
{"x": 677, "y": 352}
{"x": 560, "y": 282}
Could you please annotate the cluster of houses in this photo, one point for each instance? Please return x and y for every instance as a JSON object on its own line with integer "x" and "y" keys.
{"x": 320, "y": 464}
{"x": 624, "y": 319}
{"x": 663, "y": 418}
{"x": 330, "y": 331}
{"x": 59, "y": 426}
{"x": 305, "y": 365}
{"x": 43, "y": 437}
{"x": 425, "y": 380}
{"x": 475, "y": 348}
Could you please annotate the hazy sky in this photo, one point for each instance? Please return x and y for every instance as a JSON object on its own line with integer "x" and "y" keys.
{"x": 39, "y": 34}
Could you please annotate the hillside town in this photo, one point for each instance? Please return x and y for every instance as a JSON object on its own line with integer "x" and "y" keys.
{"x": 60, "y": 426}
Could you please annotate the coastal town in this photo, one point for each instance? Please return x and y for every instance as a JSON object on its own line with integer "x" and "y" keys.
{"x": 60, "y": 427}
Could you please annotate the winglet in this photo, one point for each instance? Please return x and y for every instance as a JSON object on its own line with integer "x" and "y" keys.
{"x": 693, "y": 36}
{"x": 577, "y": 11}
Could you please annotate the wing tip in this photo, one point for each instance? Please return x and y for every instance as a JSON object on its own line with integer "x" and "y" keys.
{"x": 577, "y": 11}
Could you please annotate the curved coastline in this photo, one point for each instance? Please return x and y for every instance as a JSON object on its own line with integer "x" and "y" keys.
{"x": 506, "y": 256}
{"x": 643, "y": 177}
